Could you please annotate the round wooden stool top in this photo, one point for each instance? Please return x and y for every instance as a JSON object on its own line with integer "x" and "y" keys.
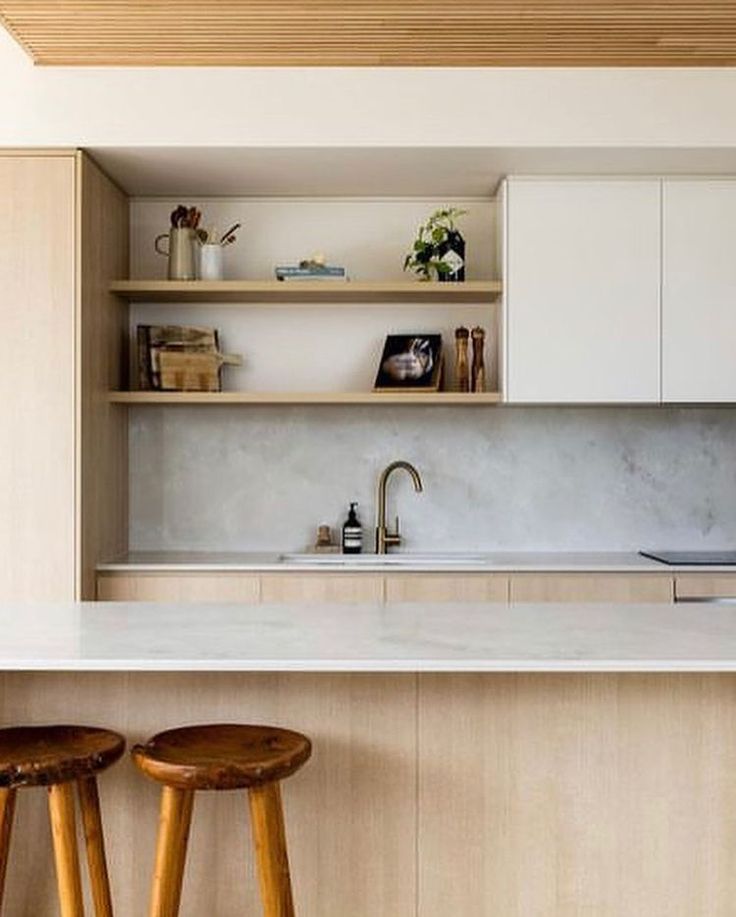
{"x": 222, "y": 757}
{"x": 46, "y": 755}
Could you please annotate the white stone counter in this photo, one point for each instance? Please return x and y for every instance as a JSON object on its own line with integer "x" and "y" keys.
{"x": 369, "y": 638}
{"x": 481, "y": 562}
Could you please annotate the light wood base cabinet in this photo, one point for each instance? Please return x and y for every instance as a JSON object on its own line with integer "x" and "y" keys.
{"x": 591, "y": 587}
{"x": 705, "y": 586}
{"x": 391, "y": 587}
{"x": 447, "y": 587}
{"x": 196, "y": 587}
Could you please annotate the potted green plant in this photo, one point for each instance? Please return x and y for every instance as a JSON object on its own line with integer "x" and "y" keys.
{"x": 438, "y": 252}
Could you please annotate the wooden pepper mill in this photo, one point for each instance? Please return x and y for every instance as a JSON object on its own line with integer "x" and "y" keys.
{"x": 462, "y": 369}
{"x": 479, "y": 368}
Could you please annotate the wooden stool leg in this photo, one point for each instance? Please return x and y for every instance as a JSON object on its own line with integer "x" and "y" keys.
{"x": 171, "y": 850}
{"x": 61, "y": 809}
{"x": 269, "y": 838}
{"x": 7, "y": 808}
{"x": 89, "y": 802}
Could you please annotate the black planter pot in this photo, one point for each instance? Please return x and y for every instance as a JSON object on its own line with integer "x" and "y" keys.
{"x": 453, "y": 250}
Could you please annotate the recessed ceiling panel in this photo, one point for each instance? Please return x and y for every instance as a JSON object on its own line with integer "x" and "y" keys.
{"x": 375, "y": 32}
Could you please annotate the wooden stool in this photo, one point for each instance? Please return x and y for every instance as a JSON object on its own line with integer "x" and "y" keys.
{"x": 222, "y": 757}
{"x": 58, "y": 757}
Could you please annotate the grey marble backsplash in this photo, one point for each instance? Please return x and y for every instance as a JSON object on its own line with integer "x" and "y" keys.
{"x": 228, "y": 478}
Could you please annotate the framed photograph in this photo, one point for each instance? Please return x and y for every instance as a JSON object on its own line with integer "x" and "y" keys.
{"x": 410, "y": 362}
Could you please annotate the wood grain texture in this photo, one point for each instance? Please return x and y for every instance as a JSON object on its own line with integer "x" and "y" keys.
{"x": 268, "y": 292}
{"x": 243, "y": 588}
{"x": 37, "y": 378}
{"x": 591, "y": 587}
{"x": 102, "y": 452}
{"x": 44, "y": 755}
{"x": 321, "y": 587}
{"x": 7, "y": 810}
{"x": 478, "y": 399}
{"x": 705, "y": 585}
{"x": 171, "y": 851}
{"x": 412, "y": 33}
{"x": 269, "y": 841}
{"x": 446, "y": 587}
{"x": 63, "y": 831}
{"x": 99, "y": 881}
{"x": 574, "y": 795}
{"x": 350, "y": 813}
{"x": 221, "y": 756}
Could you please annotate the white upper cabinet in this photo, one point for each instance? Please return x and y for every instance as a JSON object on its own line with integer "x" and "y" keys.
{"x": 582, "y": 304}
{"x": 699, "y": 291}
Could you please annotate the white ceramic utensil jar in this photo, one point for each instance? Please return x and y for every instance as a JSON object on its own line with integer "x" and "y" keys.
{"x": 210, "y": 262}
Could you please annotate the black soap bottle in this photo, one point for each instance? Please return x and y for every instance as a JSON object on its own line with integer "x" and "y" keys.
{"x": 352, "y": 533}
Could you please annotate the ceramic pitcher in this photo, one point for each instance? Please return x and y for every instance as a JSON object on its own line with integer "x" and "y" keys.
{"x": 179, "y": 251}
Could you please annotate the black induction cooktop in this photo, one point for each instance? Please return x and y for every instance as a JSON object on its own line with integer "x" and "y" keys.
{"x": 693, "y": 558}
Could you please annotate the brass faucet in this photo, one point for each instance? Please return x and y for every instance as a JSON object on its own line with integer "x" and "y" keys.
{"x": 384, "y": 538}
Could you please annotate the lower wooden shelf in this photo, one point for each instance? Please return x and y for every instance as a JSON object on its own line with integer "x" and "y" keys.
{"x": 405, "y": 398}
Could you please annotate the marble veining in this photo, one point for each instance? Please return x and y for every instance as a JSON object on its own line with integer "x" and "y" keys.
{"x": 452, "y": 637}
{"x": 508, "y": 479}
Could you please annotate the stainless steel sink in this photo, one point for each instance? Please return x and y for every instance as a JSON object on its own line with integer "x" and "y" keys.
{"x": 406, "y": 559}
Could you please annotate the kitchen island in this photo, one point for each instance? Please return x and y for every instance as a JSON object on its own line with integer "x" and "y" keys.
{"x": 473, "y": 759}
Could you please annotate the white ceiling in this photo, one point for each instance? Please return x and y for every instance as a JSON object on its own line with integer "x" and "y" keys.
{"x": 379, "y": 171}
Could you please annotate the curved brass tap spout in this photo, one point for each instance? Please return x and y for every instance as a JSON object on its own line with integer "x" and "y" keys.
{"x": 384, "y": 538}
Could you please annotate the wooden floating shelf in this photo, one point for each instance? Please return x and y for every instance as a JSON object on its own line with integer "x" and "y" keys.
{"x": 324, "y": 293}
{"x": 255, "y": 398}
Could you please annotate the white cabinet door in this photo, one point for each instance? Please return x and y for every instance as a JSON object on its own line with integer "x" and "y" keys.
{"x": 699, "y": 291}
{"x": 582, "y": 316}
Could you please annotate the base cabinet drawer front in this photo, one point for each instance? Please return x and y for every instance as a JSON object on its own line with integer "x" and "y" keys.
{"x": 179, "y": 587}
{"x": 440, "y": 587}
{"x": 705, "y": 586}
{"x": 591, "y": 587}
{"x": 321, "y": 587}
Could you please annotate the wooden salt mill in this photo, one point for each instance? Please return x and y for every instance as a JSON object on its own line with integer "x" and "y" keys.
{"x": 479, "y": 368}
{"x": 462, "y": 369}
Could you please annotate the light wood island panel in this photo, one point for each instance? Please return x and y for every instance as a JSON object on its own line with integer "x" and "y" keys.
{"x": 350, "y": 812}
{"x": 430, "y": 795}
{"x": 568, "y": 795}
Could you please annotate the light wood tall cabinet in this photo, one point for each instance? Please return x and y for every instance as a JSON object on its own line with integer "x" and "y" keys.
{"x": 63, "y": 465}
{"x": 582, "y": 290}
{"x": 699, "y": 291}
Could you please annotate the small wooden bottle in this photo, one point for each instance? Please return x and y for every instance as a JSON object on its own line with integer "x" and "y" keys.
{"x": 462, "y": 369}
{"x": 479, "y": 368}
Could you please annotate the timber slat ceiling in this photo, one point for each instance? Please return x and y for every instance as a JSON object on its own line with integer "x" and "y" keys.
{"x": 375, "y": 32}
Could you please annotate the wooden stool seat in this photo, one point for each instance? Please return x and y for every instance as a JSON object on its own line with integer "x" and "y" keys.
{"x": 61, "y": 758}
{"x": 222, "y": 757}
{"x": 45, "y": 755}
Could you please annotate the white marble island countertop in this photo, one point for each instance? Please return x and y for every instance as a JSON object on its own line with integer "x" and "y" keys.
{"x": 368, "y": 638}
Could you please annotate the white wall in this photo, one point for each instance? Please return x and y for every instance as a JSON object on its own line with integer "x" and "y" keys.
{"x": 298, "y": 348}
{"x": 360, "y": 106}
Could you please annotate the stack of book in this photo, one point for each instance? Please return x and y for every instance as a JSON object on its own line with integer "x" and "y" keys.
{"x": 310, "y": 271}
{"x": 180, "y": 358}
